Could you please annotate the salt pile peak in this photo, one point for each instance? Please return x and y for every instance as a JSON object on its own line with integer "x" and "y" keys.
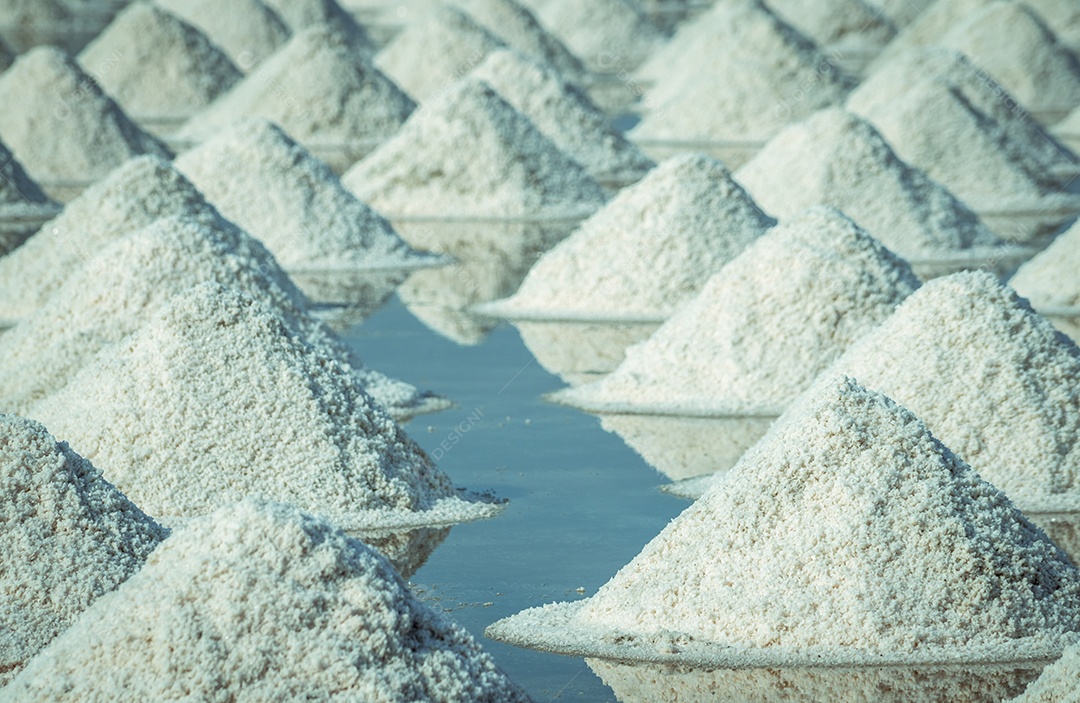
{"x": 609, "y": 35}
{"x": 840, "y": 25}
{"x": 262, "y": 601}
{"x": 764, "y": 326}
{"x": 1051, "y": 280}
{"x": 68, "y": 537}
{"x": 301, "y": 14}
{"x": 470, "y": 154}
{"x": 836, "y": 158}
{"x": 927, "y": 28}
{"x": 646, "y": 252}
{"x": 318, "y": 87}
{"x": 59, "y": 123}
{"x": 851, "y": 535}
{"x": 247, "y": 30}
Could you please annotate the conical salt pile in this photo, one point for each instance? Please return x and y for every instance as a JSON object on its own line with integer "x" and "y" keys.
{"x": 68, "y": 536}
{"x": 156, "y": 65}
{"x": 470, "y": 154}
{"x": 276, "y": 190}
{"x": 260, "y": 601}
{"x": 609, "y": 35}
{"x": 1057, "y": 683}
{"x": 835, "y": 158}
{"x": 21, "y": 200}
{"x": 926, "y": 28}
{"x": 565, "y": 115}
{"x": 1051, "y": 280}
{"x": 647, "y": 251}
{"x": 764, "y": 326}
{"x": 849, "y": 536}
{"x": 301, "y": 14}
{"x": 247, "y": 30}
{"x": 318, "y": 87}
{"x": 841, "y": 25}
{"x": 60, "y": 125}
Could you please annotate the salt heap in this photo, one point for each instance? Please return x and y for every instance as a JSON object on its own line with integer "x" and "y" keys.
{"x": 1057, "y": 683}
{"x": 647, "y": 251}
{"x": 247, "y": 30}
{"x": 68, "y": 536}
{"x": 841, "y": 25}
{"x": 21, "y": 200}
{"x": 609, "y": 35}
{"x": 1051, "y": 280}
{"x": 59, "y": 123}
{"x": 276, "y": 190}
{"x": 926, "y": 27}
{"x": 155, "y": 65}
{"x": 301, "y": 14}
{"x": 215, "y": 399}
{"x": 318, "y": 87}
{"x": 433, "y": 52}
{"x": 763, "y": 326}
{"x": 850, "y": 536}
{"x": 835, "y": 158}
{"x": 260, "y": 601}
{"x": 470, "y": 154}
{"x": 565, "y": 115}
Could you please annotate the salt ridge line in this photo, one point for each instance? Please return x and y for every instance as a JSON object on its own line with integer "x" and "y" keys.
{"x": 247, "y": 30}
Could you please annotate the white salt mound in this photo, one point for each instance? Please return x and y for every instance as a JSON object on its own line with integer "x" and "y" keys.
{"x": 215, "y": 399}
{"x": 836, "y": 158}
{"x": 68, "y": 536}
{"x": 59, "y": 123}
{"x": 851, "y": 25}
{"x": 470, "y": 154}
{"x": 262, "y": 602}
{"x": 301, "y": 14}
{"x": 318, "y": 87}
{"x": 275, "y": 189}
{"x": 850, "y": 536}
{"x": 1051, "y": 280}
{"x": 764, "y": 326}
{"x": 247, "y": 30}
{"x": 156, "y": 65}
{"x": 608, "y": 35}
{"x": 1057, "y": 683}
{"x": 564, "y": 114}
{"x": 647, "y": 251}
{"x": 926, "y": 27}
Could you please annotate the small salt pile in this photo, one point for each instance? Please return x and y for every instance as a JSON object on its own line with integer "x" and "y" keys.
{"x": 433, "y": 52}
{"x": 215, "y": 399}
{"x": 22, "y": 202}
{"x": 647, "y": 251}
{"x": 836, "y": 158}
{"x": 1051, "y": 280}
{"x": 840, "y": 25}
{"x": 1057, "y": 683}
{"x": 763, "y": 327}
{"x": 67, "y": 536}
{"x": 850, "y": 536}
{"x": 470, "y": 154}
{"x": 247, "y": 30}
{"x": 610, "y": 36}
{"x": 156, "y": 65}
{"x": 59, "y": 123}
{"x": 262, "y": 180}
{"x": 318, "y": 87}
{"x": 565, "y": 115}
{"x": 301, "y": 14}
{"x": 262, "y": 602}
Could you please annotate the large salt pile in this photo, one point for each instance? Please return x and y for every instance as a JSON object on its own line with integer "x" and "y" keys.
{"x": 1051, "y": 280}
{"x": 647, "y": 251}
{"x": 470, "y": 154}
{"x": 850, "y": 536}
{"x": 247, "y": 30}
{"x": 835, "y": 158}
{"x": 763, "y": 327}
{"x": 301, "y": 14}
{"x": 565, "y": 115}
{"x": 59, "y": 123}
{"x": 262, "y": 602}
{"x": 1057, "y": 683}
{"x": 156, "y": 65}
{"x": 67, "y": 536}
{"x": 611, "y": 36}
{"x": 21, "y": 201}
{"x": 840, "y": 25}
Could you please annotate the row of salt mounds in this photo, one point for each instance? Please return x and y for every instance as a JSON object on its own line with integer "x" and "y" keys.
{"x": 247, "y": 30}
{"x": 850, "y": 536}
{"x": 763, "y": 327}
{"x": 215, "y": 399}
{"x": 319, "y": 88}
{"x": 301, "y": 14}
{"x": 565, "y": 115}
{"x": 59, "y": 123}
{"x": 156, "y": 66}
{"x": 743, "y": 78}
{"x": 646, "y": 252}
{"x": 1051, "y": 280}
{"x": 840, "y": 26}
{"x": 610, "y": 36}
{"x": 470, "y": 154}
{"x": 67, "y": 537}
{"x": 262, "y": 180}
{"x": 21, "y": 201}
{"x": 835, "y": 158}
{"x": 260, "y": 601}
{"x": 1057, "y": 683}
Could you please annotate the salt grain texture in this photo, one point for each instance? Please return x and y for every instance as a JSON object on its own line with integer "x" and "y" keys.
{"x": 67, "y": 537}
{"x": 1051, "y": 280}
{"x": 59, "y": 123}
{"x": 850, "y": 536}
{"x": 1057, "y": 683}
{"x": 301, "y": 14}
{"x": 841, "y": 25}
{"x": 260, "y": 601}
{"x": 215, "y": 399}
{"x": 647, "y": 251}
{"x": 319, "y": 88}
{"x": 156, "y": 65}
{"x": 836, "y": 158}
{"x": 764, "y": 326}
{"x": 470, "y": 154}
{"x": 247, "y": 30}
{"x": 608, "y": 35}
{"x": 565, "y": 115}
